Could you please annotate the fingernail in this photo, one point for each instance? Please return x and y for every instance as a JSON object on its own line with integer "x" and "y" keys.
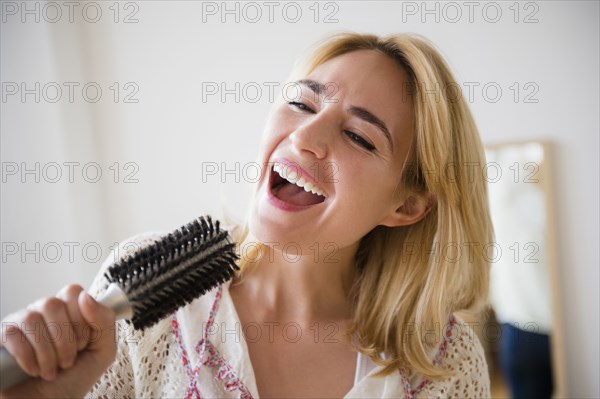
{"x": 90, "y": 299}
{"x": 34, "y": 370}
{"x": 49, "y": 375}
{"x": 68, "y": 362}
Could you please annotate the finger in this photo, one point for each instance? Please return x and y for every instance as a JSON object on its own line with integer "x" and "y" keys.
{"x": 34, "y": 329}
{"x": 70, "y": 295}
{"x": 19, "y": 347}
{"x": 101, "y": 322}
{"x": 58, "y": 331}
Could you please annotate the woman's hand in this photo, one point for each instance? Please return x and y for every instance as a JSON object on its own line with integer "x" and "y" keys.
{"x": 66, "y": 341}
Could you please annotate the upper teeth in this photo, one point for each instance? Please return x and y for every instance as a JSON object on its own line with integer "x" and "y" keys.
{"x": 291, "y": 174}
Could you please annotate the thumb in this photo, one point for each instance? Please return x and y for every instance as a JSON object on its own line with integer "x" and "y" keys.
{"x": 100, "y": 330}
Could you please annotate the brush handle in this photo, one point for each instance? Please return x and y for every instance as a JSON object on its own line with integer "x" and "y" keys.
{"x": 10, "y": 371}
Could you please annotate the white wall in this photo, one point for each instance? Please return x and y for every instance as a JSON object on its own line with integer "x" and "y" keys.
{"x": 171, "y": 52}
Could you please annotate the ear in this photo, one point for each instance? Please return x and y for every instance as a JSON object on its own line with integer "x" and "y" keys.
{"x": 413, "y": 209}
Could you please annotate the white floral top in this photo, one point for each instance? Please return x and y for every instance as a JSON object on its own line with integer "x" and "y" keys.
{"x": 200, "y": 352}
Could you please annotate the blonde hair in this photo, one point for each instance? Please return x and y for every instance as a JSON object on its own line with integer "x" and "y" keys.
{"x": 407, "y": 284}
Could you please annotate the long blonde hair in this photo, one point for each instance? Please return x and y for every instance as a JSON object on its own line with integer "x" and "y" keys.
{"x": 409, "y": 284}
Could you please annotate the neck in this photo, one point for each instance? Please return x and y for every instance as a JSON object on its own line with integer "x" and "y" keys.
{"x": 312, "y": 287}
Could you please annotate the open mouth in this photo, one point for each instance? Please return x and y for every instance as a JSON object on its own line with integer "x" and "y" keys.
{"x": 288, "y": 186}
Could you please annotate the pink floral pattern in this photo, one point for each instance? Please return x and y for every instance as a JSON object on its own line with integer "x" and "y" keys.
{"x": 409, "y": 393}
{"x": 208, "y": 356}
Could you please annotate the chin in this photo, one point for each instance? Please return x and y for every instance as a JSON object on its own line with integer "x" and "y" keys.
{"x": 264, "y": 226}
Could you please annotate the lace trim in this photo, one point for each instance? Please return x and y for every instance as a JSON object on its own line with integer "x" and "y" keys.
{"x": 208, "y": 356}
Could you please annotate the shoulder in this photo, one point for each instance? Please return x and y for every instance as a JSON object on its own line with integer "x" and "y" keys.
{"x": 463, "y": 345}
{"x": 461, "y": 353}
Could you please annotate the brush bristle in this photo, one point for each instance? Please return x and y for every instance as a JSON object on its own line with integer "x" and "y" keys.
{"x": 161, "y": 278}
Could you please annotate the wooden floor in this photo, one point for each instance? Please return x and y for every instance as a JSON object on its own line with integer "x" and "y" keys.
{"x": 498, "y": 387}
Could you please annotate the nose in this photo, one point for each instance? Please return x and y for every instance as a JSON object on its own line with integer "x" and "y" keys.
{"x": 314, "y": 136}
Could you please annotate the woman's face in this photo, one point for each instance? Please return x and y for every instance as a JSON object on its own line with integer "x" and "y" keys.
{"x": 346, "y": 129}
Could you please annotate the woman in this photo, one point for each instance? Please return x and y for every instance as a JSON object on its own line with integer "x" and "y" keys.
{"x": 372, "y": 219}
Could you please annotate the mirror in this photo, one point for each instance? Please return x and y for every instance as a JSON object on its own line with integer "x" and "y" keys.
{"x": 523, "y": 334}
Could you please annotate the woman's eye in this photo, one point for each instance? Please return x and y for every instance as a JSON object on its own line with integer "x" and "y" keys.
{"x": 353, "y": 136}
{"x": 299, "y": 105}
{"x": 360, "y": 141}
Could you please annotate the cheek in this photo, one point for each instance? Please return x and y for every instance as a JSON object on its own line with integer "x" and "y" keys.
{"x": 276, "y": 130}
{"x": 368, "y": 179}
{"x": 367, "y": 192}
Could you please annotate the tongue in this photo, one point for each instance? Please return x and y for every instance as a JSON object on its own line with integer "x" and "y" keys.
{"x": 295, "y": 195}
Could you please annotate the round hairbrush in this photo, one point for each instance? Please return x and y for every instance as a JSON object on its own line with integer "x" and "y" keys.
{"x": 158, "y": 279}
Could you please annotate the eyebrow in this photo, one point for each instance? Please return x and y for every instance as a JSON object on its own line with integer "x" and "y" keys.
{"x": 319, "y": 88}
